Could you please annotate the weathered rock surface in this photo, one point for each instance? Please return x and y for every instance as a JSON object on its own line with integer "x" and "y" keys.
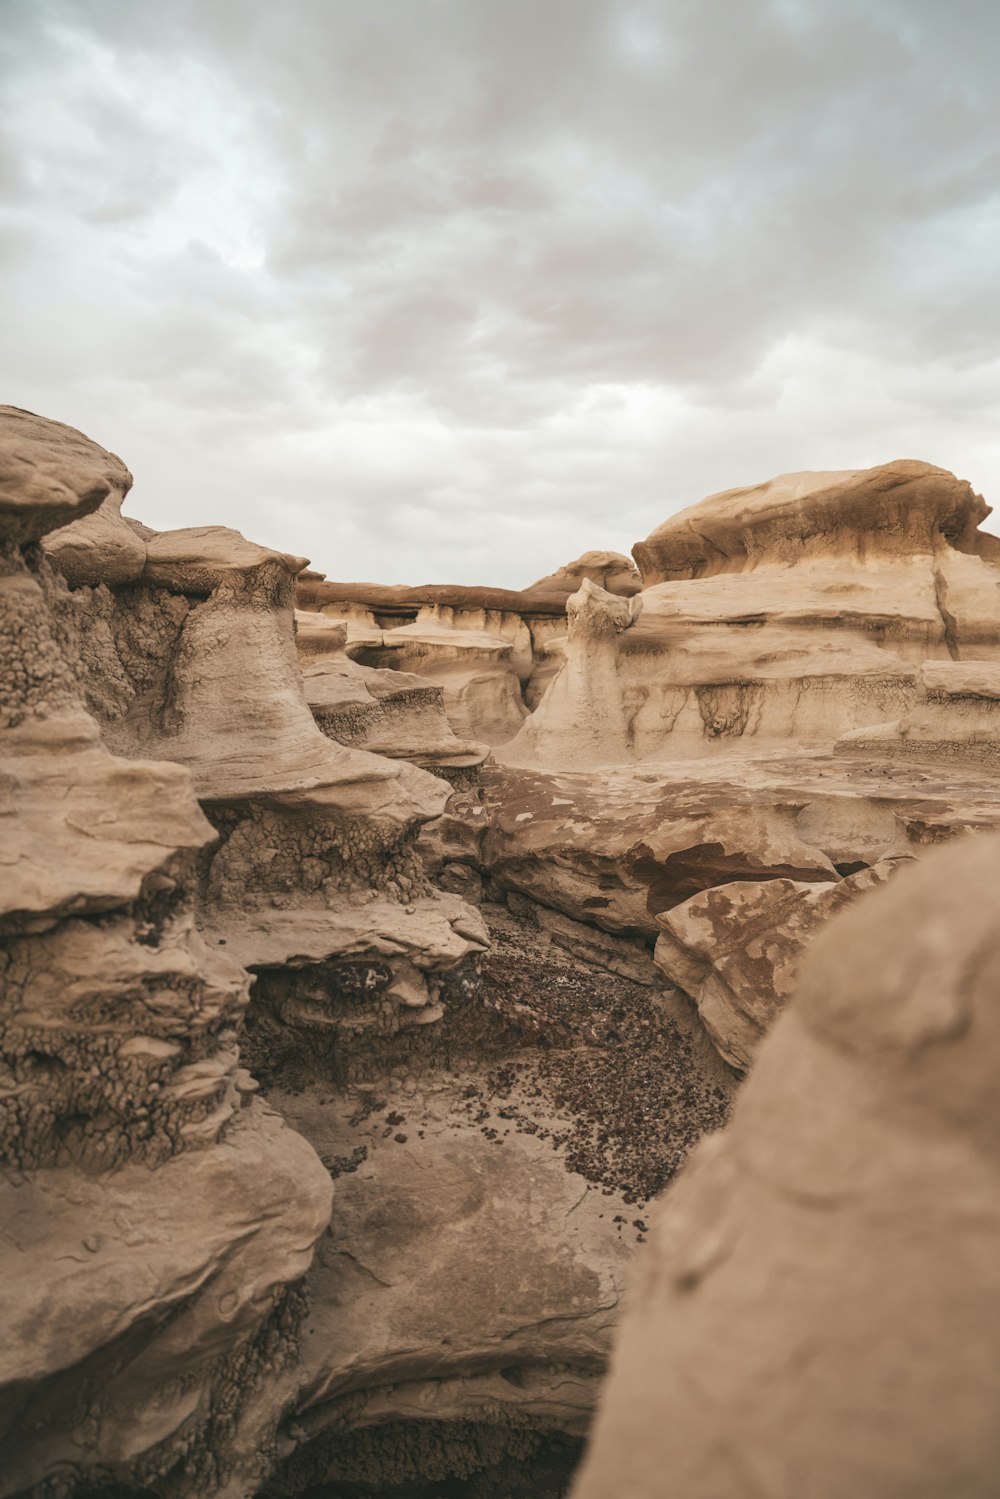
{"x": 148, "y": 1274}
{"x": 158, "y": 1299}
{"x": 849, "y": 615}
{"x": 793, "y": 612}
{"x": 622, "y": 849}
{"x": 393, "y": 713}
{"x": 304, "y": 871}
{"x": 736, "y": 949}
{"x": 608, "y": 570}
{"x": 730, "y": 876}
{"x": 229, "y": 871}
{"x": 818, "y": 1311}
{"x": 492, "y": 652}
{"x": 956, "y": 721}
{"x": 497, "y": 1122}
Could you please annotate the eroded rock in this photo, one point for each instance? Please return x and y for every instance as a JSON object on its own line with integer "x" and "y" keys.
{"x": 834, "y": 1252}
{"x": 150, "y": 1281}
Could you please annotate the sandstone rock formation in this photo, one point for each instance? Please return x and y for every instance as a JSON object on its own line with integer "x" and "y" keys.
{"x": 156, "y": 1218}
{"x": 196, "y": 815}
{"x": 818, "y": 1310}
{"x": 392, "y": 713}
{"x": 492, "y": 652}
{"x": 787, "y": 614}
{"x": 608, "y": 570}
{"x": 473, "y": 903}
{"x": 849, "y": 615}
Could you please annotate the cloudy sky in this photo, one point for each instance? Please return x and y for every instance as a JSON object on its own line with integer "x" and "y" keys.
{"x": 453, "y": 290}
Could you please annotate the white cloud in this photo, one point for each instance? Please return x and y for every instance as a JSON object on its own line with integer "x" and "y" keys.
{"x": 434, "y": 290}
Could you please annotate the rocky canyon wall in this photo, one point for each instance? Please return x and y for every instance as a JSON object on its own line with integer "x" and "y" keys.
{"x": 372, "y": 957}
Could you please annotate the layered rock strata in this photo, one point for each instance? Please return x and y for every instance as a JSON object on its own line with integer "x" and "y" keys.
{"x": 846, "y": 615}
{"x": 394, "y": 713}
{"x": 156, "y": 1217}
{"x": 265, "y": 875}
{"x": 790, "y": 613}
{"x": 492, "y": 652}
{"x": 247, "y": 835}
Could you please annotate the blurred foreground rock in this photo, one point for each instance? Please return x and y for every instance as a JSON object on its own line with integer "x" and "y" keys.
{"x": 818, "y": 1311}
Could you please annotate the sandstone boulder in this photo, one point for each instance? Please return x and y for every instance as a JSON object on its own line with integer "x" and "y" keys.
{"x": 819, "y": 1309}
{"x": 608, "y": 570}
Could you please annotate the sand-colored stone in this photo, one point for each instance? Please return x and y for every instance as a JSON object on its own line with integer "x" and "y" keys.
{"x": 608, "y": 570}
{"x": 154, "y": 1225}
{"x": 736, "y": 949}
{"x": 794, "y": 612}
{"x": 393, "y": 713}
{"x": 700, "y": 766}
{"x": 819, "y": 1309}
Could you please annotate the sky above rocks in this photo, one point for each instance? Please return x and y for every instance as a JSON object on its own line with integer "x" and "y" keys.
{"x": 453, "y": 290}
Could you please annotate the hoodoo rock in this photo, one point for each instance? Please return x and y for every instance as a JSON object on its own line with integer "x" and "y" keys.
{"x": 231, "y": 980}
{"x": 144, "y": 1260}
{"x": 789, "y": 614}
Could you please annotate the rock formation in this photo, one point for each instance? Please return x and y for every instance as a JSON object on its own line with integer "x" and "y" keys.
{"x": 392, "y": 713}
{"x": 787, "y": 614}
{"x": 818, "y": 1310}
{"x": 492, "y": 652}
{"x": 473, "y": 904}
{"x": 195, "y": 815}
{"x": 157, "y": 1218}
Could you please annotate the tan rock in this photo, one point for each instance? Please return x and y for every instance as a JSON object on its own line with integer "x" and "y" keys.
{"x": 153, "y": 1225}
{"x": 50, "y": 475}
{"x": 730, "y": 875}
{"x": 794, "y": 612}
{"x": 900, "y": 506}
{"x": 175, "y": 1270}
{"x": 608, "y": 570}
{"x": 834, "y": 1253}
{"x": 736, "y": 950}
{"x": 956, "y": 721}
{"x": 393, "y": 713}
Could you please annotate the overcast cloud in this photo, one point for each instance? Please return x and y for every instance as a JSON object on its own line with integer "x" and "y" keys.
{"x": 453, "y": 290}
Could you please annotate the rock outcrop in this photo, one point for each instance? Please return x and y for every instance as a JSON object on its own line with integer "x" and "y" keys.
{"x": 609, "y": 571}
{"x": 787, "y": 614}
{"x": 230, "y": 981}
{"x": 473, "y": 905}
{"x": 824, "y": 641}
{"x": 157, "y": 1219}
{"x": 818, "y": 1309}
{"x": 492, "y": 652}
{"x": 388, "y": 712}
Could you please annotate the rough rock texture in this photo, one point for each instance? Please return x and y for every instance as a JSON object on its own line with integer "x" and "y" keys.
{"x": 446, "y": 1068}
{"x": 394, "y": 713}
{"x": 735, "y": 948}
{"x": 507, "y": 1122}
{"x": 271, "y": 917}
{"x": 793, "y": 612}
{"x": 818, "y": 1311}
{"x": 957, "y": 719}
{"x": 492, "y": 652}
{"x": 609, "y": 570}
{"x": 156, "y": 1219}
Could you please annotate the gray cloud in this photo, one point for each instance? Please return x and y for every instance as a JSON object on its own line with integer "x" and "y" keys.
{"x": 430, "y": 289}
